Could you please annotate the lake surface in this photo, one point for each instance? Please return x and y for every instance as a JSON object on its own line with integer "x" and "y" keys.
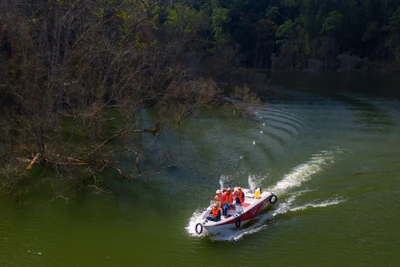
{"x": 327, "y": 146}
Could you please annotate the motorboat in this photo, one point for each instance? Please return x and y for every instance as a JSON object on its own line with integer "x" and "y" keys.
{"x": 255, "y": 201}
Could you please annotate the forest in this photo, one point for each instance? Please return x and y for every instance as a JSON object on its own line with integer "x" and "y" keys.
{"x": 75, "y": 74}
{"x": 301, "y": 34}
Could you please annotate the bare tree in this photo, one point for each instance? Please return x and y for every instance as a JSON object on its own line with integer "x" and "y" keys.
{"x": 74, "y": 85}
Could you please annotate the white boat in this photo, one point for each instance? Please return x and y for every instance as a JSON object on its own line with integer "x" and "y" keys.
{"x": 238, "y": 215}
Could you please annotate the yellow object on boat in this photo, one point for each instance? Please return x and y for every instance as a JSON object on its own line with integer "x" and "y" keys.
{"x": 257, "y": 193}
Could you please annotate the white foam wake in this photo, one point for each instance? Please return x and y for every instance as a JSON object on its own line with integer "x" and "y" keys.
{"x": 305, "y": 171}
{"x": 190, "y": 228}
{"x": 318, "y": 205}
{"x": 294, "y": 179}
{"x": 255, "y": 180}
{"x": 284, "y": 207}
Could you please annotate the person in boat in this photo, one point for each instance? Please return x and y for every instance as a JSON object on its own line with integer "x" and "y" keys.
{"x": 238, "y": 195}
{"x": 215, "y": 214}
{"x": 230, "y": 199}
{"x": 217, "y": 198}
{"x": 224, "y": 203}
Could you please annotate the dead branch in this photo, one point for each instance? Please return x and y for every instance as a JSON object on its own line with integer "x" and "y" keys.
{"x": 32, "y": 162}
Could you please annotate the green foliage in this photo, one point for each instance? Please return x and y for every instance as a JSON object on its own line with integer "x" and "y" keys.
{"x": 393, "y": 42}
{"x": 183, "y": 20}
{"x": 394, "y": 24}
{"x": 98, "y": 12}
{"x": 125, "y": 18}
{"x": 219, "y": 18}
{"x": 172, "y": 18}
{"x": 285, "y": 32}
{"x": 292, "y": 3}
{"x": 371, "y": 32}
{"x": 332, "y": 21}
{"x": 316, "y": 30}
{"x": 272, "y": 13}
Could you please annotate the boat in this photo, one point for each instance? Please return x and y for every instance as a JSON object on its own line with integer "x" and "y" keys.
{"x": 255, "y": 202}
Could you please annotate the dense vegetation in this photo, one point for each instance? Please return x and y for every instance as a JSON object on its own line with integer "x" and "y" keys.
{"x": 75, "y": 73}
{"x": 74, "y": 77}
{"x": 301, "y": 34}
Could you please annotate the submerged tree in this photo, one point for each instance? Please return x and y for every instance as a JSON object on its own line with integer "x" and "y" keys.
{"x": 74, "y": 80}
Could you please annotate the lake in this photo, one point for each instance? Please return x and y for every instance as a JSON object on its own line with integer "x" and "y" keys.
{"x": 327, "y": 145}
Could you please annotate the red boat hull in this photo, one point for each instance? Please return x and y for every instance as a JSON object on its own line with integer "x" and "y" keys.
{"x": 237, "y": 217}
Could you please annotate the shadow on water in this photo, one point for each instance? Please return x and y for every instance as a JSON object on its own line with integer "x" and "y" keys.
{"x": 374, "y": 84}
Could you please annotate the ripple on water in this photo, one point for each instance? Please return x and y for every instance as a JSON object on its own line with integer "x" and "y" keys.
{"x": 285, "y": 115}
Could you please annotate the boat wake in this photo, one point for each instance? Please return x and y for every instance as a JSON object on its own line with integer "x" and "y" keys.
{"x": 260, "y": 224}
{"x": 305, "y": 171}
{"x": 285, "y": 189}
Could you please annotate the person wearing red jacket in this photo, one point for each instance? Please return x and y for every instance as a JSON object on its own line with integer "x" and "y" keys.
{"x": 230, "y": 196}
{"x": 215, "y": 214}
{"x": 239, "y": 196}
{"x": 224, "y": 202}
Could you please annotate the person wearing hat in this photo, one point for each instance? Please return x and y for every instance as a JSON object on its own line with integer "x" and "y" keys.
{"x": 217, "y": 198}
{"x": 239, "y": 196}
{"x": 215, "y": 214}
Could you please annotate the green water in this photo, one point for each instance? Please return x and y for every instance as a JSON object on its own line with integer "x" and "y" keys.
{"x": 330, "y": 153}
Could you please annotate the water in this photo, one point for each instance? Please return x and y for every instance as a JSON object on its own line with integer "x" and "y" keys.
{"x": 330, "y": 153}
